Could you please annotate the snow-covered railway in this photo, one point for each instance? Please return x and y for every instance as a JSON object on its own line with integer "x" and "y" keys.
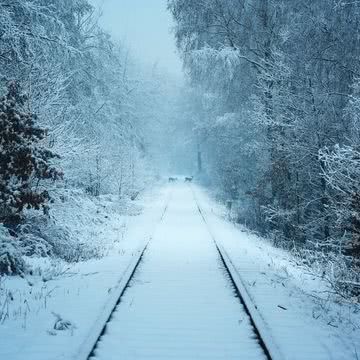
{"x": 184, "y": 299}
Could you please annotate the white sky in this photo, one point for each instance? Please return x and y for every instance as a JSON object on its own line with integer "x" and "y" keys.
{"x": 145, "y": 26}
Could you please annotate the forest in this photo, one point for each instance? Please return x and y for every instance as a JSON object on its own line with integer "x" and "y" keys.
{"x": 275, "y": 110}
{"x": 78, "y": 116}
{"x": 265, "y": 120}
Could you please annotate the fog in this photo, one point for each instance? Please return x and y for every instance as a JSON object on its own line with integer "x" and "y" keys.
{"x": 146, "y": 28}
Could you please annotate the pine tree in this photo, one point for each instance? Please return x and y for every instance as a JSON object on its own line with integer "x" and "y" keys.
{"x": 24, "y": 160}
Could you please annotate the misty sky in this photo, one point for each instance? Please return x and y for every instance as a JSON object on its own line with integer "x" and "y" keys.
{"x": 145, "y": 27}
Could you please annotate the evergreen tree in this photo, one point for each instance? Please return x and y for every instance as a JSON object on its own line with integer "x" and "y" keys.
{"x": 24, "y": 160}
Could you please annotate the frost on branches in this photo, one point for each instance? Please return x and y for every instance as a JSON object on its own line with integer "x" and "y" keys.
{"x": 24, "y": 160}
{"x": 11, "y": 261}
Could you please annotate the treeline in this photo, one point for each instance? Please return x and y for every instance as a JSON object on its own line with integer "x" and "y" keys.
{"x": 277, "y": 109}
{"x": 74, "y": 114}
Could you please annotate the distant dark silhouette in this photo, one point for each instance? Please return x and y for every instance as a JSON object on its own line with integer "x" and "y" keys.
{"x": 189, "y": 179}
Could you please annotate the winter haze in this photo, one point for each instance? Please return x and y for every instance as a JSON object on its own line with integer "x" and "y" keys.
{"x": 179, "y": 179}
{"x": 145, "y": 26}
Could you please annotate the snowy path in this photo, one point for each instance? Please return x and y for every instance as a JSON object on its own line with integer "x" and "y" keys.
{"x": 180, "y": 304}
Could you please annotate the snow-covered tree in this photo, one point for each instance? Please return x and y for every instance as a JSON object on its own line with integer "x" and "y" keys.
{"x": 281, "y": 73}
{"x": 25, "y": 161}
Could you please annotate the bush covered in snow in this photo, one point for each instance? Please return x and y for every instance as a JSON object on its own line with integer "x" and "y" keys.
{"x": 11, "y": 262}
{"x": 340, "y": 272}
{"x": 78, "y": 227}
{"x": 75, "y": 229}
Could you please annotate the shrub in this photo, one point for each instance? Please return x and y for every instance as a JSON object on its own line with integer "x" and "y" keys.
{"x": 11, "y": 262}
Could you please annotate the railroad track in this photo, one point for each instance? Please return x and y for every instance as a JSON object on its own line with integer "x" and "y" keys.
{"x": 88, "y": 346}
{"x": 259, "y": 327}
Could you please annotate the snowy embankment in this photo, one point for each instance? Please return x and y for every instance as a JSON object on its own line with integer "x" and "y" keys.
{"x": 305, "y": 322}
{"x": 49, "y": 314}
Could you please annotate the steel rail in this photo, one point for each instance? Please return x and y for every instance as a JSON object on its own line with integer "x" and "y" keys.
{"x": 259, "y": 324}
{"x": 88, "y": 346}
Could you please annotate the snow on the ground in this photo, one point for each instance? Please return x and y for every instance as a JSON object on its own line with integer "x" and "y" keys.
{"x": 46, "y": 316}
{"x": 180, "y": 304}
{"x": 304, "y": 322}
